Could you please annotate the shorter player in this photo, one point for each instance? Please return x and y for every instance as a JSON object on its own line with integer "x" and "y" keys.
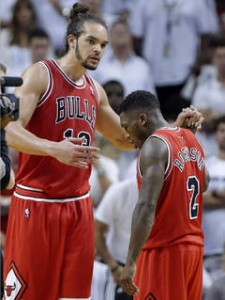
{"x": 166, "y": 232}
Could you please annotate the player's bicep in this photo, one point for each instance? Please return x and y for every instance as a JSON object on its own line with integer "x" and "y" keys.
{"x": 35, "y": 80}
{"x": 153, "y": 161}
{"x": 207, "y": 179}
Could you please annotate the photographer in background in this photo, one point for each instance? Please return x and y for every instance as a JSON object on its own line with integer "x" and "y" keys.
{"x": 9, "y": 108}
{"x": 6, "y": 173}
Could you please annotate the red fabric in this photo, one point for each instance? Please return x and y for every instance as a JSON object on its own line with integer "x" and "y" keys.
{"x": 65, "y": 110}
{"x": 174, "y": 222}
{"x": 49, "y": 249}
{"x": 173, "y": 273}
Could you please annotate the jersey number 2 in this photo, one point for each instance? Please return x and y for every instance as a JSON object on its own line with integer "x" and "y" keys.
{"x": 193, "y": 185}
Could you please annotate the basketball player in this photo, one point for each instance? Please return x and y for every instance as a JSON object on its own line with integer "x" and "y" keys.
{"x": 166, "y": 233}
{"x": 49, "y": 250}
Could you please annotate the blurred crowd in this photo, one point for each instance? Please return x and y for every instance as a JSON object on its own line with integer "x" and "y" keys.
{"x": 173, "y": 48}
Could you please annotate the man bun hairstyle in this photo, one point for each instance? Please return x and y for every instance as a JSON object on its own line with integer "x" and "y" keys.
{"x": 78, "y": 10}
{"x": 79, "y": 14}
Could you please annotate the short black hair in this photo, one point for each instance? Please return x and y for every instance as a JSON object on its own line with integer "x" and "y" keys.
{"x": 37, "y": 32}
{"x": 139, "y": 100}
{"x": 218, "y": 121}
{"x": 113, "y": 82}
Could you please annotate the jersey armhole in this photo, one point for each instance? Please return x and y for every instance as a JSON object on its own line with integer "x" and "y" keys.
{"x": 169, "y": 160}
{"x": 94, "y": 86}
{"x": 49, "y": 87}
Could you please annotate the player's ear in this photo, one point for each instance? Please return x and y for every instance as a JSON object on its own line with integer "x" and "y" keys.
{"x": 143, "y": 119}
{"x": 71, "y": 39}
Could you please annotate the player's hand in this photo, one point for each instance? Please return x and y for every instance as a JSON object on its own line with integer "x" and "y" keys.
{"x": 126, "y": 280}
{"x": 191, "y": 118}
{"x": 71, "y": 152}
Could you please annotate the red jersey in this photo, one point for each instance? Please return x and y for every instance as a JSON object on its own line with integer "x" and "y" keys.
{"x": 65, "y": 110}
{"x": 178, "y": 214}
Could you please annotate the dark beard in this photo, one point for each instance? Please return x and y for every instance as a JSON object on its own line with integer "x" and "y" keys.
{"x": 83, "y": 62}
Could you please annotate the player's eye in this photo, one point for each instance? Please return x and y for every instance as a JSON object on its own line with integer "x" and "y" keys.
{"x": 103, "y": 45}
{"x": 91, "y": 42}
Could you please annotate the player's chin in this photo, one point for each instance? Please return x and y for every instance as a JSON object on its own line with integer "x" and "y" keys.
{"x": 135, "y": 145}
{"x": 91, "y": 67}
{"x": 92, "y": 64}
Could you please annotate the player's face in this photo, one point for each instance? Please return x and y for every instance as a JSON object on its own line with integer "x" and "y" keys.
{"x": 90, "y": 45}
{"x": 134, "y": 128}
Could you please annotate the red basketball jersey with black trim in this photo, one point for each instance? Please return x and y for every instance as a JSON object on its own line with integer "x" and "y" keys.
{"x": 178, "y": 215}
{"x": 65, "y": 110}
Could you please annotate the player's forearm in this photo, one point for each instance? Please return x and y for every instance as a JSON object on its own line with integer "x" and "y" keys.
{"x": 142, "y": 221}
{"x": 123, "y": 144}
{"x": 119, "y": 140}
{"x": 24, "y": 141}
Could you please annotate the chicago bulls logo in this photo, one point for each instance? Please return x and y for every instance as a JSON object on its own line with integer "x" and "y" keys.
{"x": 9, "y": 289}
{"x": 15, "y": 286}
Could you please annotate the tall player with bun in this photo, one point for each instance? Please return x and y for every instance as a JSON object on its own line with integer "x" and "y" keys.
{"x": 166, "y": 236}
{"x": 49, "y": 250}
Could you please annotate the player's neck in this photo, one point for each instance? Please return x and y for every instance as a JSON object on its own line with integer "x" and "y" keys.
{"x": 160, "y": 122}
{"x": 72, "y": 67}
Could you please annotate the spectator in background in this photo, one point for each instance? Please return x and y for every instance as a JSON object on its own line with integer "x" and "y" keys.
{"x": 96, "y": 8}
{"x": 14, "y": 41}
{"x": 112, "y": 231}
{"x": 118, "y": 8}
{"x": 7, "y": 177}
{"x": 40, "y": 45}
{"x": 169, "y": 35}
{"x": 104, "y": 172}
{"x": 6, "y": 172}
{"x": 210, "y": 94}
{"x": 52, "y": 16}
{"x": 115, "y": 93}
{"x": 214, "y": 205}
{"x": 6, "y": 12}
{"x": 122, "y": 64}
{"x": 217, "y": 290}
{"x": 222, "y": 23}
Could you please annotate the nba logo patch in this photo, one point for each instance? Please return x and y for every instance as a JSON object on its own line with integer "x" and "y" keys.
{"x": 27, "y": 213}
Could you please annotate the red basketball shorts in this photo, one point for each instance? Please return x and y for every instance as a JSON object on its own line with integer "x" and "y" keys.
{"x": 172, "y": 273}
{"x": 49, "y": 250}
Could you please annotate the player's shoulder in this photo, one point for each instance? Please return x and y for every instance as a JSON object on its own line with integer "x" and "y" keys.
{"x": 39, "y": 69}
{"x": 36, "y": 76}
{"x": 97, "y": 85}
